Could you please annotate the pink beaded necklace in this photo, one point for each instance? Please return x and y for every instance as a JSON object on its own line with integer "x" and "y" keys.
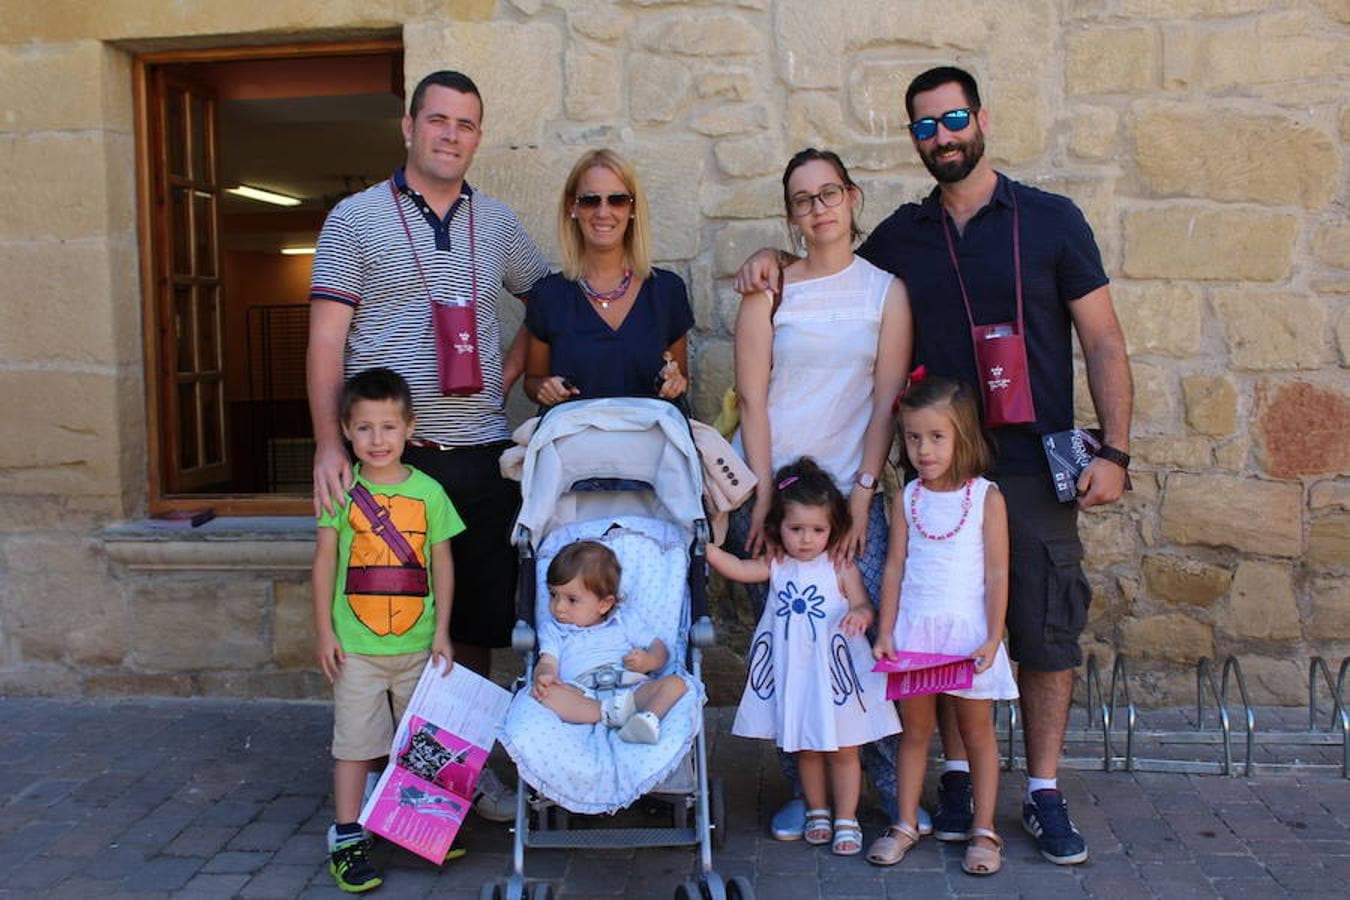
{"x": 918, "y": 525}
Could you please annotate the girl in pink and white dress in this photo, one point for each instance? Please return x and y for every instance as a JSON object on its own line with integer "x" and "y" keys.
{"x": 945, "y": 590}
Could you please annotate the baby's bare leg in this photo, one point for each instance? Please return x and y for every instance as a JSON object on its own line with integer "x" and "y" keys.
{"x": 660, "y": 695}
{"x": 571, "y": 705}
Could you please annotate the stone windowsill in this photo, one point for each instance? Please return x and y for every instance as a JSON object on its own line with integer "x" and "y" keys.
{"x": 270, "y": 543}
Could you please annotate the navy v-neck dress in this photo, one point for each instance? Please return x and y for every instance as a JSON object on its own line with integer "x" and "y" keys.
{"x": 603, "y": 361}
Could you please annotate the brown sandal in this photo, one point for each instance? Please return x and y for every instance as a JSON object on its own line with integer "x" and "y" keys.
{"x": 892, "y": 846}
{"x": 983, "y": 860}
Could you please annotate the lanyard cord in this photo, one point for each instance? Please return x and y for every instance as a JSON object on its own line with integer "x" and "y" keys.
{"x": 1017, "y": 259}
{"x": 473, "y": 255}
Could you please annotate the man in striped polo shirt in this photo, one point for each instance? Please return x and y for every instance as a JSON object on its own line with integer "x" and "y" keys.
{"x": 384, "y": 255}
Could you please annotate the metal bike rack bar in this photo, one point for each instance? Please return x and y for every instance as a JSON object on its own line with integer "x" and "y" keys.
{"x": 1106, "y": 709}
{"x": 1204, "y": 674}
{"x": 1339, "y": 714}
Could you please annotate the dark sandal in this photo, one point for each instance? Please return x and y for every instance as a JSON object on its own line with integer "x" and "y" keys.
{"x": 983, "y": 860}
{"x": 892, "y": 846}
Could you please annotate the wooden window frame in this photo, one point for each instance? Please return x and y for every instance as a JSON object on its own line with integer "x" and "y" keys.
{"x": 149, "y": 225}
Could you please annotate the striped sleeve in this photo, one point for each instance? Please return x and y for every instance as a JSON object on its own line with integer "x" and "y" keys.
{"x": 524, "y": 263}
{"x": 337, "y": 260}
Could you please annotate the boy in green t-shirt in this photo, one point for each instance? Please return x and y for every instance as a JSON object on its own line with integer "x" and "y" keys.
{"x": 383, "y": 584}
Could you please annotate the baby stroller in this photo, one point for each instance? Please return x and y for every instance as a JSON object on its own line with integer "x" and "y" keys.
{"x": 624, "y": 472}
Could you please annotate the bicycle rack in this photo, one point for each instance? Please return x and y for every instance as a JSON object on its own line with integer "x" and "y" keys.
{"x": 1106, "y": 706}
{"x": 1338, "y": 710}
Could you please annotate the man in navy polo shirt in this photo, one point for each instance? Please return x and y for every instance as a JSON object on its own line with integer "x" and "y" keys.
{"x": 1065, "y": 288}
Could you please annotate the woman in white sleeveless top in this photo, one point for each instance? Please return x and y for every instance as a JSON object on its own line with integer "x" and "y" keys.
{"x": 817, "y": 374}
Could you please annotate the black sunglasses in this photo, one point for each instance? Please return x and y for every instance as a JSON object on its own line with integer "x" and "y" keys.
{"x": 952, "y": 120}
{"x": 593, "y": 201}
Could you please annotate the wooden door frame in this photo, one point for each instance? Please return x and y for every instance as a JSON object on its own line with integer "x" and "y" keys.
{"x": 148, "y": 220}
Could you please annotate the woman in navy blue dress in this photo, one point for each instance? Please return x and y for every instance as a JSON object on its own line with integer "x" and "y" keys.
{"x": 610, "y": 324}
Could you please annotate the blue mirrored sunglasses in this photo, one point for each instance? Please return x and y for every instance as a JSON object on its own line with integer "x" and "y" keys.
{"x": 952, "y": 120}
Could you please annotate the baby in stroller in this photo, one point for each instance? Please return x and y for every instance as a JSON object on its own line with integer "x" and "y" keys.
{"x": 594, "y": 664}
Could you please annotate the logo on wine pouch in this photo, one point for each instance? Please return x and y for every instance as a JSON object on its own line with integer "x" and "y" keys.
{"x": 463, "y": 343}
{"x": 996, "y": 380}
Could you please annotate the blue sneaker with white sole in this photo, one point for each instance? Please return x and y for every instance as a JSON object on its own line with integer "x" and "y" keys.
{"x": 790, "y": 821}
{"x": 1046, "y": 818}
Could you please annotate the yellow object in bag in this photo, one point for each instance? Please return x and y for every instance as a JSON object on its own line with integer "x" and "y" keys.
{"x": 729, "y": 416}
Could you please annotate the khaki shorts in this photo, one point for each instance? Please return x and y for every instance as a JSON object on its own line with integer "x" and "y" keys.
{"x": 369, "y": 698}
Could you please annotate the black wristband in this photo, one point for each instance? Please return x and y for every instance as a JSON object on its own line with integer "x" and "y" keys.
{"x": 1111, "y": 454}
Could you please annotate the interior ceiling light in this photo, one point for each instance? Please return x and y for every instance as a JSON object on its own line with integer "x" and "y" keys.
{"x": 297, "y": 251}
{"x": 272, "y": 197}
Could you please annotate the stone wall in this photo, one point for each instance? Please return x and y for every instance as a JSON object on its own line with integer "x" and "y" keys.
{"x": 1205, "y": 140}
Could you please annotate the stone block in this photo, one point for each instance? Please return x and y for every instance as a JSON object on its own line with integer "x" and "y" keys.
{"x": 736, "y": 241}
{"x": 1109, "y": 537}
{"x": 748, "y": 157}
{"x": 658, "y": 88}
{"x": 1302, "y": 429}
{"x": 31, "y": 70}
{"x": 39, "y": 680}
{"x": 1189, "y": 9}
{"x": 1019, "y": 118}
{"x": 1161, "y": 317}
{"x": 1173, "y": 452}
{"x": 594, "y": 83}
{"x": 1329, "y": 609}
{"x": 293, "y": 685}
{"x": 1275, "y": 681}
{"x": 121, "y": 683}
{"x": 23, "y": 513}
{"x": 1155, "y": 397}
{"x": 605, "y": 24}
{"x": 1330, "y": 244}
{"x": 69, "y": 20}
{"x": 816, "y": 119}
{"x": 96, "y": 198}
{"x": 183, "y": 625}
{"x": 71, "y": 436}
{"x": 1205, "y": 243}
{"x": 876, "y": 96}
{"x": 1111, "y": 60}
{"x": 1225, "y": 153}
{"x": 1172, "y": 636}
{"x": 518, "y": 98}
{"x": 1272, "y": 330}
{"x": 735, "y": 85}
{"x": 712, "y": 375}
{"x": 1183, "y": 581}
{"x": 1094, "y": 132}
{"x": 38, "y": 321}
{"x": 731, "y": 118}
{"x": 1211, "y": 403}
{"x": 703, "y": 34}
{"x": 293, "y": 625}
{"x": 1261, "y": 602}
{"x": 1330, "y": 495}
{"x": 673, "y": 173}
{"x": 1275, "y": 49}
{"x": 1232, "y": 454}
{"x": 1329, "y": 542}
{"x": 60, "y": 603}
{"x": 761, "y": 198}
{"x": 1264, "y": 517}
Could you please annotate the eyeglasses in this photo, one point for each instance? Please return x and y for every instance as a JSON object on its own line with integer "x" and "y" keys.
{"x": 615, "y": 201}
{"x": 829, "y": 195}
{"x": 952, "y": 120}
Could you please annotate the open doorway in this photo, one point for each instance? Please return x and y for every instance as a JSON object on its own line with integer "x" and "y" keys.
{"x": 246, "y": 154}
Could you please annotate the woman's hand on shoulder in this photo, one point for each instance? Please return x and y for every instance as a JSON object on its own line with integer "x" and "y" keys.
{"x": 554, "y": 390}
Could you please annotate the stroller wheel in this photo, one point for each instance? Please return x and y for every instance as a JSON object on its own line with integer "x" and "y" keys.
{"x": 739, "y": 888}
{"x": 717, "y": 813}
{"x": 541, "y": 890}
{"x": 492, "y": 890}
{"x": 688, "y": 891}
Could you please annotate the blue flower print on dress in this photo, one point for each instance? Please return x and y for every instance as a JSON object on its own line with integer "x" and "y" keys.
{"x": 795, "y": 601}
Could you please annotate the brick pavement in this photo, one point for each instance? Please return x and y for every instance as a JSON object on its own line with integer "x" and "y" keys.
{"x": 209, "y": 798}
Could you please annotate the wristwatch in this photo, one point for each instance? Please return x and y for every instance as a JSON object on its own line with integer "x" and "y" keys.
{"x": 868, "y": 481}
{"x": 1111, "y": 454}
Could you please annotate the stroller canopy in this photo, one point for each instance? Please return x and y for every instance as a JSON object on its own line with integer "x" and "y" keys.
{"x": 608, "y": 443}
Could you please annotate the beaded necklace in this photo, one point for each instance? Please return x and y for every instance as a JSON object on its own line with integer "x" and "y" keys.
{"x": 605, "y": 298}
{"x": 918, "y": 525}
